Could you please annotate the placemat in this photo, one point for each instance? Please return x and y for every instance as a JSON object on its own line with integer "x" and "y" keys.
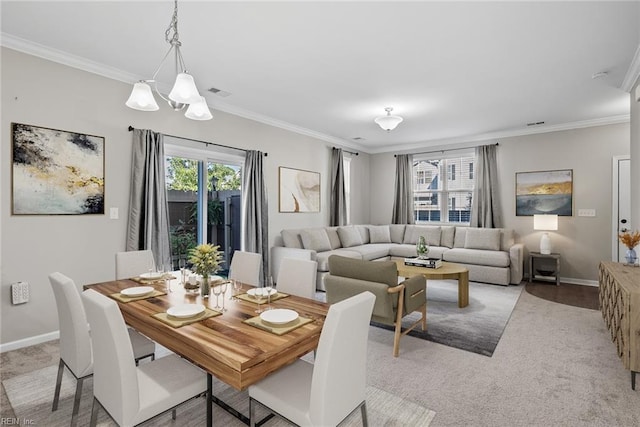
{"x": 274, "y": 297}
{"x": 277, "y": 329}
{"x": 151, "y": 281}
{"x": 123, "y": 298}
{"x": 177, "y": 322}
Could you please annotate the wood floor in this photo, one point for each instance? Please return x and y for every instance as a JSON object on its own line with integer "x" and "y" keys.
{"x": 566, "y": 293}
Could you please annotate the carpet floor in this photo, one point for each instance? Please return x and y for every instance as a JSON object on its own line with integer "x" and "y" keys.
{"x": 477, "y": 327}
{"x": 31, "y": 395}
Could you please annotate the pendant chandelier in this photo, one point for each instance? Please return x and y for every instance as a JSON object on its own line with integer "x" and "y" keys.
{"x": 184, "y": 92}
{"x": 388, "y": 122}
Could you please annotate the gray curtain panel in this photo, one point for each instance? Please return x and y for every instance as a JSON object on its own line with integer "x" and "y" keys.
{"x": 254, "y": 202}
{"x": 337, "y": 202}
{"x": 148, "y": 222}
{"x": 403, "y": 200}
{"x": 485, "y": 209}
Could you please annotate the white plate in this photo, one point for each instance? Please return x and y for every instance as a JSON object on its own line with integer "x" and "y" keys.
{"x": 185, "y": 310}
{"x": 279, "y": 316}
{"x": 137, "y": 291}
{"x": 252, "y": 291}
{"x": 152, "y": 275}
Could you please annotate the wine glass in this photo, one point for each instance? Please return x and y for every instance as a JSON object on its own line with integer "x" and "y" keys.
{"x": 166, "y": 275}
{"x": 258, "y": 294}
{"x": 223, "y": 287}
{"x": 237, "y": 287}
{"x": 182, "y": 264}
{"x": 217, "y": 290}
{"x": 268, "y": 287}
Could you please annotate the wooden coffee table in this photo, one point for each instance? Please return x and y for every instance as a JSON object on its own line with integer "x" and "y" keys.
{"x": 449, "y": 270}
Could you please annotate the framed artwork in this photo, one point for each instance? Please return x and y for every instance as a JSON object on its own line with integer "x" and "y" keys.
{"x": 546, "y": 192}
{"x": 299, "y": 190}
{"x": 55, "y": 172}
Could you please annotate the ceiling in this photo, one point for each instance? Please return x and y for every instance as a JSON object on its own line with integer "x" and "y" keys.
{"x": 455, "y": 71}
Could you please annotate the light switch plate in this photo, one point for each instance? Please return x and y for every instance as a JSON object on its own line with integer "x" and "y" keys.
{"x": 586, "y": 212}
{"x": 113, "y": 213}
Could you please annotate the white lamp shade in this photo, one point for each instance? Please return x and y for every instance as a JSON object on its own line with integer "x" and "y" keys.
{"x": 545, "y": 222}
{"x": 184, "y": 90}
{"x": 141, "y": 98}
{"x": 199, "y": 110}
{"x": 388, "y": 122}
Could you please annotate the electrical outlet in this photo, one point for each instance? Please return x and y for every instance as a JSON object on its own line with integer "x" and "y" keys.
{"x": 586, "y": 212}
{"x": 19, "y": 293}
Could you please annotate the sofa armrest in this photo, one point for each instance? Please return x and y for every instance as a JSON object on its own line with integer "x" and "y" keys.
{"x": 278, "y": 253}
{"x": 340, "y": 288}
{"x": 516, "y": 263}
{"x": 415, "y": 293}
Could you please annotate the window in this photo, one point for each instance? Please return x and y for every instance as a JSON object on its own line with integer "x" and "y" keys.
{"x": 443, "y": 200}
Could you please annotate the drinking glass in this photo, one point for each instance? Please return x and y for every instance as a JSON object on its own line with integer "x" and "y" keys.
{"x": 223, "y": 287}
{"x": 166, "y": 275}
{"x": 182, "y": 263}
{"x": 237, "y": 287}
{"x": 259, "y": 295}
{"x": 216, "y": 291}
{"x": 268, "y": 287}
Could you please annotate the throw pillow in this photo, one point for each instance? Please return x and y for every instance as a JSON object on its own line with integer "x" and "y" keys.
{"x": 379, "y": 234}
{"x": 316, "y": 239}
{"x": 397, "y": 232}
{"x": 349, "y": 236}
{"x": 483, "y": 238}
{"x": 446, "y": 237}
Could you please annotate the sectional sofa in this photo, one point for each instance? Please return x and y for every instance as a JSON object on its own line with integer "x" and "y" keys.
{"x": 490, "y": 254}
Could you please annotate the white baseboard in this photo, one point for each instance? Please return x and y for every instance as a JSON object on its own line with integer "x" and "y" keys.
{"x": 26, "y": 342}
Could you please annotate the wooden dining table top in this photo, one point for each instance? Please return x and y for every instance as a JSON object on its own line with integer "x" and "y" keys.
{"x": 234, "y": 352}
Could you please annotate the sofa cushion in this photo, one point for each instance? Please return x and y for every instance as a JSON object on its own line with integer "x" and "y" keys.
{"x": 397, "y": 232}
{"x": 431, "y": 234}
{"x": 322, "y": 258}
{"x": 477, "y": 256}
{"x": 446, "y": 236}
{"x": 483, "y": 238}
{"x": 364, "y": 233}
{"x": 381, "y": 272}
{"x": 349, "y": 236}
{"x": 373, "y": 251}
{"x": 316, "y": 239}
{"x": 460, "y": 237}
{"x": 334, "y": 238}
{"x": 379, "y": 234}
{"x": 291, "y": 239}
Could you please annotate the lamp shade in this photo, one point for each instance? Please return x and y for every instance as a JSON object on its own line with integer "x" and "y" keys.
{"x": 388, "y": 122}
{"x": 199, "y": 110}
{"x": 545, "y": 222}
{"x": 184, "y": 90}
{"x": 141, "y": 98}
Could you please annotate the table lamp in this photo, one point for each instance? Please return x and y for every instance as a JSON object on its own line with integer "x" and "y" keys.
{"x": 545, "y": 223}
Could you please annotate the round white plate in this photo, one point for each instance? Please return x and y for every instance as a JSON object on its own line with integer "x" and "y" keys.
{"x": 252, "y": 291}
{"x": 185, "y": 310}
{"x": 137, "y": 291}
{"x": 279, "y": 316}
{"x": 152, "y": 275}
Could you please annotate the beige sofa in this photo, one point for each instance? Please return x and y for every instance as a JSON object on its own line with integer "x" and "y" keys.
{"x": 490, "y": 254}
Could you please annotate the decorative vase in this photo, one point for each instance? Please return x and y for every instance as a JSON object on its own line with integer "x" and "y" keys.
{"x": 421, "y": 248}
{"x": 204, "y": 286}
{"x": 631, "y": 256}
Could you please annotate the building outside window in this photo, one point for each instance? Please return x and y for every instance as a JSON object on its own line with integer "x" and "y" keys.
{"x": 443, "y": 200}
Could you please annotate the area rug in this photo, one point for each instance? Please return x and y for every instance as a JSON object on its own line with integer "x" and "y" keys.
{"x": 566, "y": 293}
{"x": 477, "y": 327}
{"x": 31, "y": 396}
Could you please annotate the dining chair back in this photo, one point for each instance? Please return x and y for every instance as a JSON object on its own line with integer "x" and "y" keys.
{"x": 297, "y": 277}
{"x": 335, "y": 383}
{"x": 246, "y": 267}
{"x": 133, "y": 263}
{"x": 132, "y": 394}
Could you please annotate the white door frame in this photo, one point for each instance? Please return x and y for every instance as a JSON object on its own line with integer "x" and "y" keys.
{"x": 615, "y": 244}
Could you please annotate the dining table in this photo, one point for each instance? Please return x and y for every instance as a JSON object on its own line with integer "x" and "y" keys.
{"x": 230, "y": 345}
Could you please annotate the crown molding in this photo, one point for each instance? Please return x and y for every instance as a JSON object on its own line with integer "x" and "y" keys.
{"x": 633, "y": 73}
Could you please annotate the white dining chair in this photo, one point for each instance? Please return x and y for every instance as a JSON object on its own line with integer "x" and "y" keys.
{"x": 75, "y": 339}
{"x": 133, "y": 263}
{"x": 246, "y": 267}
{"x": 132, "y": 394}
{"x": 326, "y": 392}
{"x": 297, "y": 277}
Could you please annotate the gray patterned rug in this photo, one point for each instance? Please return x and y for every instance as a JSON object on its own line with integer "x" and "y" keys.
{"x": 31, "y": 396}
{"x": 476, "y": 328}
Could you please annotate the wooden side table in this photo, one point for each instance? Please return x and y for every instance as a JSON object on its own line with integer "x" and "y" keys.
{"x": 552, "y": 276}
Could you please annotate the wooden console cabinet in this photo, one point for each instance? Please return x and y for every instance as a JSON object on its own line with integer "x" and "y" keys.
{"x": 620, "y": 306}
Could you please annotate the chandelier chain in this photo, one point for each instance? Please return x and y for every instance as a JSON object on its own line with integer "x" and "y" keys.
{"x": 173, "y": 39}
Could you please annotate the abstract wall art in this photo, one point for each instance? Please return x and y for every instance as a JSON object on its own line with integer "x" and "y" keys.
{"x": 55, "y": 172}
{"x": 299, "y": 190}
{"x": 546, "y": 192}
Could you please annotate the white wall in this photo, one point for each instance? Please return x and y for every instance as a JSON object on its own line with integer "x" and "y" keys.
{"x": 635, "y": 159}
{"x": 43, "y": 93}
{"x": 582, "y": 241}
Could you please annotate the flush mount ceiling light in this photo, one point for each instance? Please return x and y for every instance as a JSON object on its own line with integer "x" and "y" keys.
{"x": 388, "y": 122}
{"x": 184, "y": 90}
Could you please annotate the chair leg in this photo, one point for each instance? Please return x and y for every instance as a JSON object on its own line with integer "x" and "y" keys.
{"x": 396, "y": 339}
{"x": 76, "y": 402}
{"x": 56, "y": 394}
{"x": 424, "y": 317}
{"x": 173, "y": 415}
{"x": 363, "y": 411}
{"x": 95, "y": 407}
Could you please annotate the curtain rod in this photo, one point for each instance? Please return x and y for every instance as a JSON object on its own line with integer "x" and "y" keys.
{"x": 452, "y": 149}
{"x": 207, "y": 143}
{"x": 347, "y": 151}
